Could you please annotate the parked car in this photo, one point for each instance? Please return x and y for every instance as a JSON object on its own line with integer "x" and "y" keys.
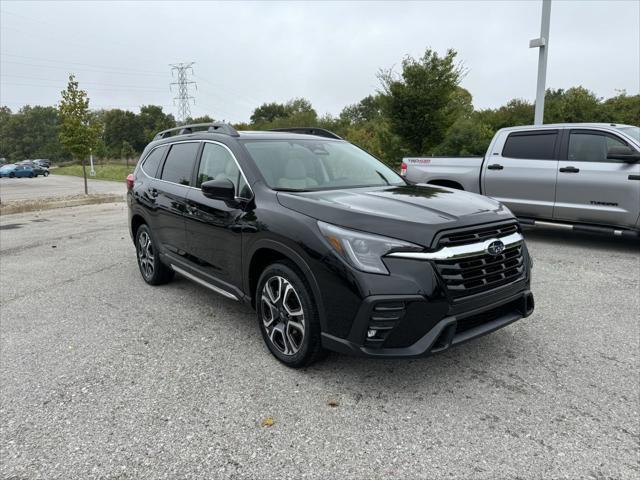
{"x": 40, "y": 170}
{"x": 16, "y": 170}
{"x": 42, "y": 162}
{"x": 571, "y": 176}
{"x": 332, "y": 248}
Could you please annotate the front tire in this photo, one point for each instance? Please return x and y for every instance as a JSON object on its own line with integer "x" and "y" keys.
{"x": 46, "y": 174}
{"x": 153, "y": 271}
{"x": 288, "y": 316}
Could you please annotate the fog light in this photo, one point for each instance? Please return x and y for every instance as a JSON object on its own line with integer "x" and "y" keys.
{"x": 371, "y": 333}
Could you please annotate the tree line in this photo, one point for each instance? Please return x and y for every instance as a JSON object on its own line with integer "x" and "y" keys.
{"x": 421, "y": 109}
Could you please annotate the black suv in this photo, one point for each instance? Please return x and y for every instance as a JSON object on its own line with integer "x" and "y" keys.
{"x": 333, "y": 249}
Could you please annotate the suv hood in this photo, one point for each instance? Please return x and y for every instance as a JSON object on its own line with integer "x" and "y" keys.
{"x": 415, "y": 213}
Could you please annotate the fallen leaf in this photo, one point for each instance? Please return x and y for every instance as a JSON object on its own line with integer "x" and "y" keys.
{"x": 333, "y": 403}
{"x": 267, "y": 422}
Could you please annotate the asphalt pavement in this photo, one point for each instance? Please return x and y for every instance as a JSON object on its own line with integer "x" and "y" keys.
{"x": 103, "y": 376}
{"x": 12, "y": 189}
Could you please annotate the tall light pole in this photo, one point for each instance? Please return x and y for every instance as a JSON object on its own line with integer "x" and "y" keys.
{"x": 543, "y": 44}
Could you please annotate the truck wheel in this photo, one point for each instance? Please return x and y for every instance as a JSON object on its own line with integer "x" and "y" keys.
{"x": 288, "y": 316}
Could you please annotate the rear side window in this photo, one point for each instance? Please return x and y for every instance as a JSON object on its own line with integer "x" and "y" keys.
{"x": 178, "y": 167}
{"x": 531, "y": 145}
{"x": 152, "y": 162}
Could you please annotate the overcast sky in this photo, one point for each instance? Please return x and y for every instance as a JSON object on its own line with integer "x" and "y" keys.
{"x": 249, "y": 53}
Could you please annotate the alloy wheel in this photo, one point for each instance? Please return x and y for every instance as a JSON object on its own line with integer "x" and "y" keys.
{"x": 145, "y": 255}
{"x": 282, "y": 315}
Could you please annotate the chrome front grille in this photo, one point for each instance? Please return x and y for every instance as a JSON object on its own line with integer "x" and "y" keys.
{"x": 474, "y": 261}
{"x": 478, "y": 273}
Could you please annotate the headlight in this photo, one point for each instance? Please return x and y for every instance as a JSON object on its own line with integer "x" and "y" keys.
{"x": 362, "y": 250}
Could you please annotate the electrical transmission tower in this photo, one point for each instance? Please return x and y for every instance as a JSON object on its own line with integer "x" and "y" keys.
{"x": 183, "y": 99}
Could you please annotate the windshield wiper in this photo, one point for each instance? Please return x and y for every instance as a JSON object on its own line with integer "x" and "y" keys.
{"x": 283, "y": 189}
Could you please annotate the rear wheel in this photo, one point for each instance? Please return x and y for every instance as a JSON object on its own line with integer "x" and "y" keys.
{"x": 288, "y": 316}
{"x": 153, "y": 271}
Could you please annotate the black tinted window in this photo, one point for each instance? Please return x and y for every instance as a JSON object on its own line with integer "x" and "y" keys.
{"x": 539, "y": 146}
{"x": 178, "y": 167}
{"x": 151, "y": 164}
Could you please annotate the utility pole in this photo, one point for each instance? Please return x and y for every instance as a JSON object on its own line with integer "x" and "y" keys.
{"x": 543, "y": 44}
{"x": 183, "y": 98}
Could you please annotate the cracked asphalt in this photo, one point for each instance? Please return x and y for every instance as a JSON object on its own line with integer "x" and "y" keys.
{"x": 105, "y": 377}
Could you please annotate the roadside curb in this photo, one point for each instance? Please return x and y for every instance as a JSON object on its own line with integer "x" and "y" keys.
{"x": 50, "y": 203}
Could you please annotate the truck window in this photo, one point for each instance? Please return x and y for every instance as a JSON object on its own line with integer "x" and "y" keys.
{"x": 591, "y": 146}
{"x": 531, "y": 145}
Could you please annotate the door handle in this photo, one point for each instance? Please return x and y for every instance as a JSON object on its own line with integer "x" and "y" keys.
{"x": 495, "y": 166}
{"x": 634, "y": 177}
{"x": 569, "y": 170}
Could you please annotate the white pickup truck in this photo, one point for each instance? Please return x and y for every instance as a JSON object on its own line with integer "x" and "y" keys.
{"x": 583, "y": 176}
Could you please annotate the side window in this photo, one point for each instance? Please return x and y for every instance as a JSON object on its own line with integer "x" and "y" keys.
{"x": 591, "y": 146}
{"x": 216, "y": 164}
{"x": 152, "y": 162}
{"x": 531, "y": 145}
{"x": 178, "y": 167}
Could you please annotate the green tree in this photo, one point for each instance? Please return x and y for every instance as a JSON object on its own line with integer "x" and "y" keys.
{"x": 366, "y": 110}
{"x": 203, "y": 119}
{"x": 515, "y": 112}
{"x": 32, "y": 132}
{"x": 127, "y": 152}
{"x": 467, "y": 136}
{"x": 576, "y": 104}
{"x": 297, "y": 112}
{"x": 622, "y": 108}
{"x": 416, "y": 102}
{"x": 77, "y": 133}
{"x": 153, "y": 120}
{"x": 122, "y": 126}
{"x": 268, "y": 112}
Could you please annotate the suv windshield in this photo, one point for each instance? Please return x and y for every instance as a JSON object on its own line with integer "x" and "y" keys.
{"x": 318, "y": 165}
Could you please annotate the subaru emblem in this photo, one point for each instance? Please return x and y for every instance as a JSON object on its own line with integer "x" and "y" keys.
{"x": 495, "y": 248}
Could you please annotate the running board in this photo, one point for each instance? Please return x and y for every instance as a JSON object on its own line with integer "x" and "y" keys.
{"x": 579, "y": 228}
{"x": 204, "y": 283}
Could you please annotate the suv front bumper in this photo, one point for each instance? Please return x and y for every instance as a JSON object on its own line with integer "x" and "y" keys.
{"x": 398, "y": 320}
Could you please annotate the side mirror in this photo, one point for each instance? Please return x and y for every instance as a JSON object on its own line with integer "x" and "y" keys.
{"x": 626, "y": 154}
{"x": 222, "y": 189}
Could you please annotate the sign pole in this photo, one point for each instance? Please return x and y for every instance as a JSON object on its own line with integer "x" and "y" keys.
{"x": 543, "y": 44}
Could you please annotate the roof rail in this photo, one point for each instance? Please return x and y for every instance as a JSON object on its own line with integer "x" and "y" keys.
{"x": 223, "y": 128}
{"x": 319, "y": 132}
